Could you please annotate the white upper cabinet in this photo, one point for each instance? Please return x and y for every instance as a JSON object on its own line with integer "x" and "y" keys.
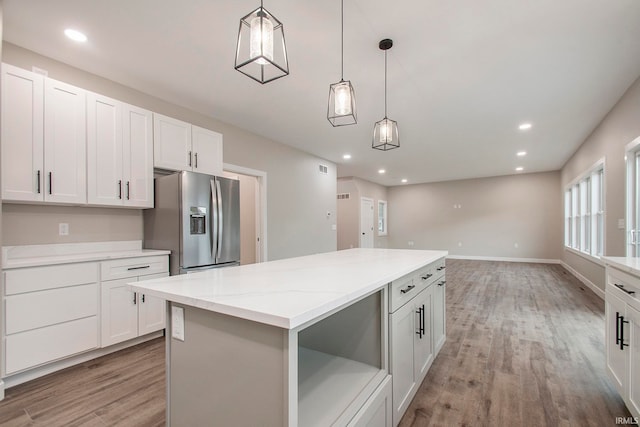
{"x": 179, "y": 146}
{"x": 22, "y": 134}
{"x": 65, "y": 143}
{"x": 119, "y": 153}
{"x": 43, "y": 139}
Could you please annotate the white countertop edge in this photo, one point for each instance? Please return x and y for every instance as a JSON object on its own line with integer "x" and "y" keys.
{"x": 290, "y": 322}
{"x": 67, "y": 253}
{"x": 627, "y": 264}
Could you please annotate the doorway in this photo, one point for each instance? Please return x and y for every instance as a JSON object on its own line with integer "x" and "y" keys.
{"x": 366, "y": 222}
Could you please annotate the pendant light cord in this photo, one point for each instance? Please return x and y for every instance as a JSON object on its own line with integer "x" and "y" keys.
{"x": 385, "y": 84}
{"x": 341, "y": 40}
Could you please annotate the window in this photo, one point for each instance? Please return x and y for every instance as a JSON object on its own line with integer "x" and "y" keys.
{"x": 584, "y": 212}
{"x": 632, "y": 156}
{"x": 382, "y": 218}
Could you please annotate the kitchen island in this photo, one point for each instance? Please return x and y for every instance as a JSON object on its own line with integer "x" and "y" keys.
{"x": 296, "y": 342}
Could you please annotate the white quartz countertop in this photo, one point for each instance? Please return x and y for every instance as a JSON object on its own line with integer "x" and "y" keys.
{"x": 628, "y": 264}
{"x": 290, "y": 292}
{"x": 66, "y": 253}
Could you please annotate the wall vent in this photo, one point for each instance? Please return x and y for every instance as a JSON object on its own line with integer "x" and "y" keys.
{"x": 343, "y": 196}
{"x": 323, "y": 169}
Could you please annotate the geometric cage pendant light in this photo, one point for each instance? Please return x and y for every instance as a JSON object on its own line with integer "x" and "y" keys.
{"x": 341, "y": 110}
{"x": 385, "y": 132}
{"x": 261, "y": 52}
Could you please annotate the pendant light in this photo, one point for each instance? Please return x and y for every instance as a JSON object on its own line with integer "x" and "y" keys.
{"x": 385, "y": 132}
{"x": 261, "y": 52}
{"x": 341, "y": 110}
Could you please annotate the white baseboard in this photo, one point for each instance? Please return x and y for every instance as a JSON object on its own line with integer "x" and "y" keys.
{"x": 505, "y": 259}
{"x": 596, "y": 290}
{"x": 40, "y": 371}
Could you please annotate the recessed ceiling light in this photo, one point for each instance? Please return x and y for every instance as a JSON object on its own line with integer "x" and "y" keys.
{"x": 525, "y": 126}
{"x": 75, "y": 35}
{"x": 519, "y": 169}
{"x": 381, "y": 171}
{"x": 521, "y": 153}
{"x": 346, "y": 156}
{"x": 404, "y": 180}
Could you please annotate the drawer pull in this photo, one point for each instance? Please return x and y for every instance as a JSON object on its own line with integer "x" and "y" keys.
{"x": 623, "y": 289}
{"x": 426, "y": 276}
{"x": 142, "y": 267}
{"x": 420, "y": 313}
{"x": 620, "y": 330}
{"x": 442, "y": 283}
{"x": 142, "y": 297}
{"x": 441, "y": 268}
{"x": 135, "y": 299}
{"x": 407, "y": 289}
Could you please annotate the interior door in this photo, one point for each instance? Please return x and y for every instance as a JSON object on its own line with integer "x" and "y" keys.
{"x": 366, "y": 223}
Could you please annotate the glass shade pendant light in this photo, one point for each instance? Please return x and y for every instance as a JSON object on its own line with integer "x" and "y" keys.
{"x": 385, "y": 132}
{"x": 261, "y": 52}
{"x": 342, "y": 100}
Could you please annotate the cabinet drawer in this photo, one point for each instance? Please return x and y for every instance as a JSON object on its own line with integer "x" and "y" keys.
{"x": 38, "y": 346}
{"x": 376, "y": 412}
{"x": 133, "y": 267}
{"x": 50, "y": 277}
{"x": 402, "y": 291}
{"x": 624, "y": 285}
{"x": 45, "y": 308}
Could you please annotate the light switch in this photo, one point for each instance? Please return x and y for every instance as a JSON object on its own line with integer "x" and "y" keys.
{"x": 621, "y": 224}
{"x": 177, "y": 323}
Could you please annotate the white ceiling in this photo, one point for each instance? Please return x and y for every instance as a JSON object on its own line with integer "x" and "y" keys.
{"x": 462, "y": 74}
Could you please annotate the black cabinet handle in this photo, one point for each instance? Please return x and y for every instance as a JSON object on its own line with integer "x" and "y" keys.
{"x": 135, "y": 301}
{"x": 622, "y": 322}
{"x": 442, "y": 283}
{"x": 189, "y": 158}
{"x": 38, "y": 181}
{"x": 618, "y": 327}
{"x": 420, "y": 313}
{"x": 441, "y": 268}
{"x": 623, "y": 289}
{"x": 142, "y": 297}
{"x": 426, "y": 276}
{"x": 127, "y": 190}
{"x": 119, "y": 189}
{"x": 407, "y": 289}
{"x": 138, "y": 268}
{"x": 50, "y": 183}
{"x": 196, "y": 160}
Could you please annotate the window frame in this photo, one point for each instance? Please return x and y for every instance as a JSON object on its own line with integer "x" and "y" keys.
{"x": 584, "y": 213}
{"x": 383, "y": 221}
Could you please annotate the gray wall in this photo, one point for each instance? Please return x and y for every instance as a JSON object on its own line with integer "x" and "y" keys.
{"x": 495, "y": 214}
{"x": 349, "y": 211}
{"x": 618, "y": 128}
{"x": 298, "y": 196}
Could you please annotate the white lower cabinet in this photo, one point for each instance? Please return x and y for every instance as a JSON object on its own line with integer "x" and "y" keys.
{"x": 127, "y": 314}
{"x": 50, "y": 313}
{"x": 622, "y": 335}
{"x": 439, "y": 314}
{"x": 377, "y": 412}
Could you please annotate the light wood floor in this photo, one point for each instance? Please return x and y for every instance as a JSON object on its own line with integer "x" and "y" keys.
{"x": 525, "y": 347}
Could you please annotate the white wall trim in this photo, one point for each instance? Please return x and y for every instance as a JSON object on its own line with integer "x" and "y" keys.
{"x": 40, "y": 371}
{"x": 261, "y": 177}
{"x": 505, "y": 259}
{"x": 588, "y": 257}
{"x": 596, "y": 290}
{"x": 1, "y": 390}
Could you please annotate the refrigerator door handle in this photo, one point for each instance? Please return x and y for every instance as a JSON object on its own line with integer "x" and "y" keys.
{"x": 213, "y": 225}
{"x": 220, "y": 219}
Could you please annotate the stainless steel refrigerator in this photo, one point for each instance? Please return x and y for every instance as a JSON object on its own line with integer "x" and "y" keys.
{"x": 197, "y": 218}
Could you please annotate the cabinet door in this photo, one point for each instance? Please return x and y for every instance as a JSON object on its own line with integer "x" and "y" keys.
{"x": 152, "y": 311}
{"x": 22, "y": 134}
{"x": 634, "y": 355}
{"x": 617, "y": 359}
{"x": 171, "y": 143}
{"x": 207, "y": 151}
{"x": 104, "y": 150}
{"x": 119, "y": 312}
{"x": 422, "y": 349}
{"x": 138, "y": 157}
{"x": 439, "y": 314}
{"x": 65, "y": 143}
{"x": 403, "y": 328}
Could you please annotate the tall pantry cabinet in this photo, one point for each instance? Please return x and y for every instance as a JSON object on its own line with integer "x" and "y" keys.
{"x": 43, "y": 139}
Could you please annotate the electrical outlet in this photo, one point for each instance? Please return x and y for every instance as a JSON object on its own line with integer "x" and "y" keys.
{"x": 177, "y": 323}
{"x": 63, "y": 229}
{"x": 515, "y": 245}
{"x": 410, "y": 243}
{"x": 459, "y": 244}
